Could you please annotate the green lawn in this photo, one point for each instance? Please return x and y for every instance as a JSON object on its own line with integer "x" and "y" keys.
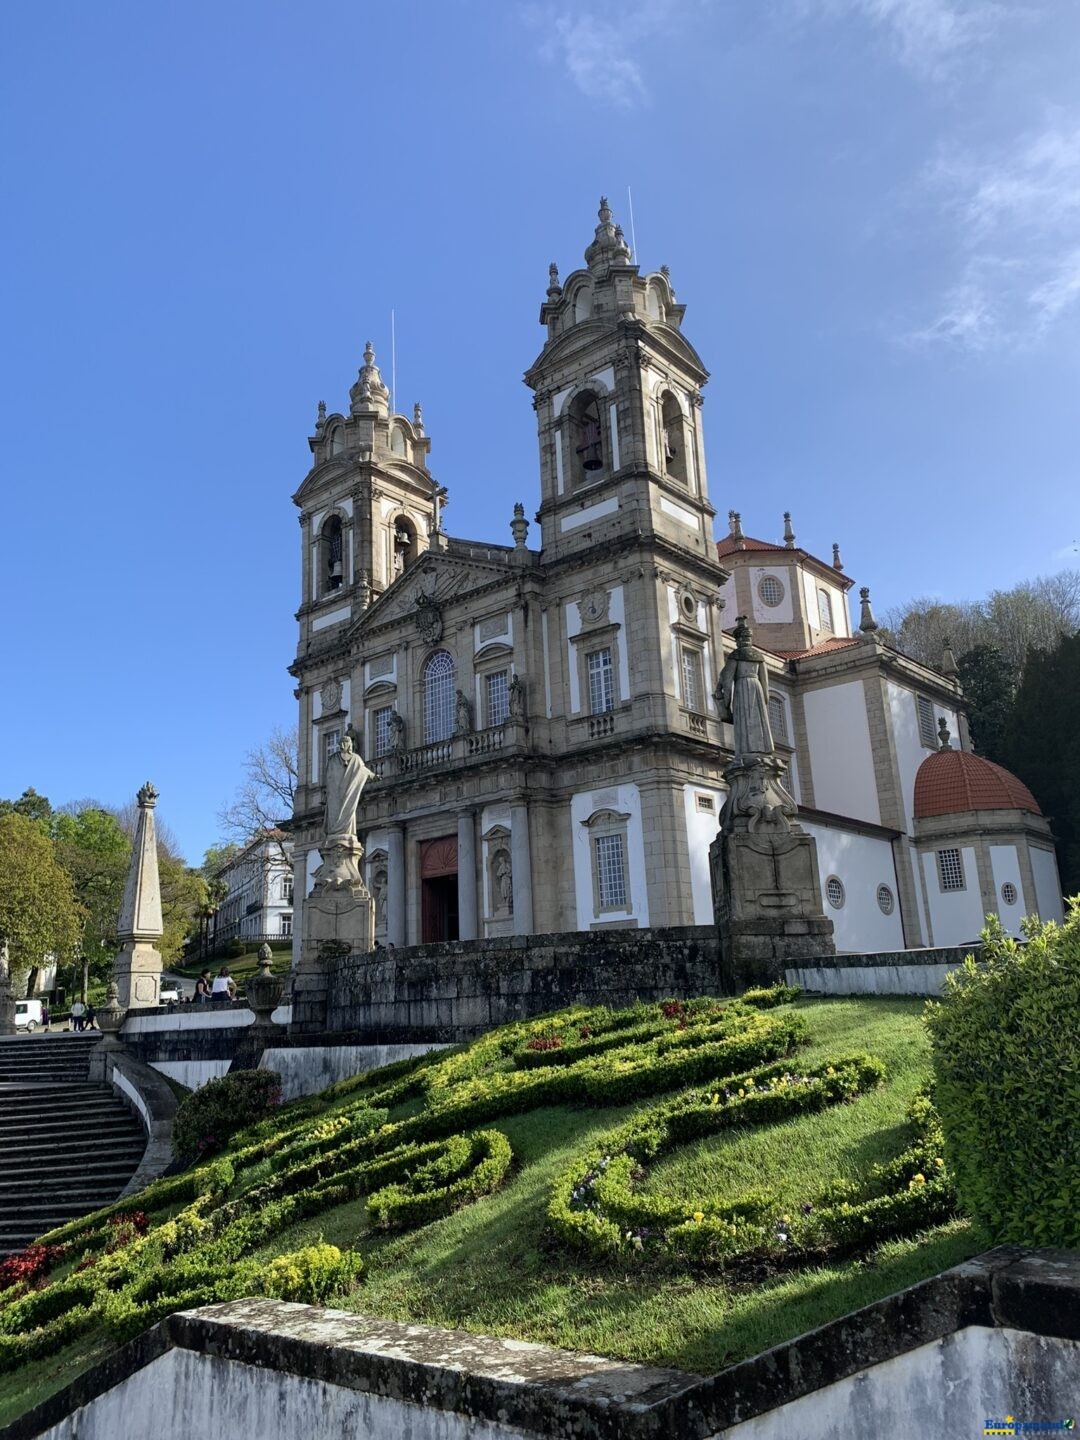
{"x": 494, "y": 1266}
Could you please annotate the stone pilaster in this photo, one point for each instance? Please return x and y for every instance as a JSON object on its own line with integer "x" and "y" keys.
{"x": 521, "y": 861}
{"x": 467, "y": 917}
{"x": 395, "y": 886}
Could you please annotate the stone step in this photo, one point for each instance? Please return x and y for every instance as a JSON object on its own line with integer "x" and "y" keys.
{"x": 125, "y": 1144}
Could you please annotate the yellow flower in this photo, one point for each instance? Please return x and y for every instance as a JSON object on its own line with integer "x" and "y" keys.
{"x": 940, "y": 1163}
{"x": 715, "y": 1100}
{"x": 699, "y": 1216}
{"x": 741, "y": 1091}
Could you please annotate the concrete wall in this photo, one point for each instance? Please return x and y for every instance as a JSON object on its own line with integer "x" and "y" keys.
{"x": 956, "y": 916}
{"x": 308, "y": 1069}
{"x": 898, "y": 972}
{"x": 948, "y": 1388}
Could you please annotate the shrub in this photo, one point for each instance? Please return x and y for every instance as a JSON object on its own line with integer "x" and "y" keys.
{"x": 1008, "y": 1083}
{"x": 313, "y": 1275}
{"x": 234, "y": 949}
{"x": 209, "y": 1116}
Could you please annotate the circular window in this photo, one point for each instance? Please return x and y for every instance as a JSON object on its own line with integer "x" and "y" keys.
{"x": 1009, "y": 893}
{"x": 885, "y": 899}
{"x": 689, "y": 606}
{"x": 770, "y": 590}
{"x": 834, "y": 892}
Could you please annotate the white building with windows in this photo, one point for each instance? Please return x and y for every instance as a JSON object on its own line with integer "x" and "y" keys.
{"x": 258, "y": 904}
{"x": 542, "y": 722}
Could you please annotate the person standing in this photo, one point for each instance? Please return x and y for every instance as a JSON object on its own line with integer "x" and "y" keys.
{"x": 45, "y": 1016}
{"x": 202, "y": 988}
{"x": 88, "y": 1018}
{"x": 78, "y": 1014}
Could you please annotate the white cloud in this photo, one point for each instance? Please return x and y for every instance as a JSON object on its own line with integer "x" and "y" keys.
{"x": 1017, "y": 221}
{"x": 930, "y": 37}
{"x": 600, "y": 47}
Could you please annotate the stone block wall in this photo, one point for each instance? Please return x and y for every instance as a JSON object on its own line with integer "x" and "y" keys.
{"x": 457, "y": 990}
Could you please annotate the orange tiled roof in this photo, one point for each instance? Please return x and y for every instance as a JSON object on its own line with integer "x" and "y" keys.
{"x": 727, "y": 546}
{"x": 823, "y": 647}
{"x": 955, "y": 782}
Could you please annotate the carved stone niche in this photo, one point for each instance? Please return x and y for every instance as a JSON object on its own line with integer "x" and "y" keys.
{"x": 378, "y": 870}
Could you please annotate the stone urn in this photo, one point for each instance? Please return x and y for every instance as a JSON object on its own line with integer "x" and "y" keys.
{"x": 110, "y": 1017}
{"x": 264, "y": 990}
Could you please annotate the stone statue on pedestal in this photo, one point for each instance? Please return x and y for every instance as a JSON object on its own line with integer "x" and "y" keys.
{"x": 766, "y": 885}
{"x": 339, "y": 914}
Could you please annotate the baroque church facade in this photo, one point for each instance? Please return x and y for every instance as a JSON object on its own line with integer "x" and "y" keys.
{"x": 546, "y": 745}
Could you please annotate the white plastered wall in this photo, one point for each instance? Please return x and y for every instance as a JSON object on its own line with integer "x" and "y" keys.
{"x": 701, "y": 830}
{"x": 781, "y": 614}
{"x": 955, "y": 915}
{"x": 861, "y": 863}
{"x": 623, "y": 800}
{"x": 1047, "y": 884}
{"x": 1005, "y": 868}
{"x": 910, "y": 751}
{"x": 838, "y": 738}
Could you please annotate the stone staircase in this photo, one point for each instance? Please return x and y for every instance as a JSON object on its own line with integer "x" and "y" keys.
{"x": 66, "y": 1146}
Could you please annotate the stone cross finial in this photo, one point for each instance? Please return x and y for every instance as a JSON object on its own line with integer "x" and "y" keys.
{"x": 867, "y": 623}
{"x": 789, "y": 533}
{"x": 943, "y": 735}
{"x": 369, "y": 353}
{"x": 838, "y": 564}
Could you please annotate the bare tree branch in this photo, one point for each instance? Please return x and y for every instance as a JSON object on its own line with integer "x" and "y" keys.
{"x": 264, "y": 799}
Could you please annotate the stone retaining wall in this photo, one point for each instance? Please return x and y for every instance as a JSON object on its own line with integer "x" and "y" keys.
{"x": 892, "y": 972}
{"x": 458, "y": 990}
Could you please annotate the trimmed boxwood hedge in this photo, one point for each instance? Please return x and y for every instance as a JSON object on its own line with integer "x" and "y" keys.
{"x": 200, "y": 1236}
{"x": 1007, "y": 1067}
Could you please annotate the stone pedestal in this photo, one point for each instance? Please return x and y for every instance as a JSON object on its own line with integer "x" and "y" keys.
{"x": 766, "y": 883}
{"x": 137, "y": 971}
{"x": 110, "y": 1017}
{"x": 337, "y": 921}
{"x": 263, "y": 993}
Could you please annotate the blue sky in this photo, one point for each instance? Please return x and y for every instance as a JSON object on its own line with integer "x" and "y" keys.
{"x": 871, "y": 209}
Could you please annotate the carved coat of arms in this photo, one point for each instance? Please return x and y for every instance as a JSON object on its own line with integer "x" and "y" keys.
{"x": 429, "y": 621}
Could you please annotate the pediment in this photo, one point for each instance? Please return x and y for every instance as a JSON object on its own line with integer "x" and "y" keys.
{"x": 435, "y": 579}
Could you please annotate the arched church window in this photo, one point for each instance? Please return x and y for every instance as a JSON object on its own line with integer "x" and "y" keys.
{"x": 403, "y": 544}
{"x": 586, "y": 439}
{"x": 825, "y": 610}
{"x": 439, "y": 697}
{"x": 673, "y": 438}
{"x": 337, "y": 440}
{"x": 333, "y": 559}
{"x": 652, "y": 303}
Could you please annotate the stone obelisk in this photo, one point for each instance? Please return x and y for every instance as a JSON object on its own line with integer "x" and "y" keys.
{"x": 137, "y": 968}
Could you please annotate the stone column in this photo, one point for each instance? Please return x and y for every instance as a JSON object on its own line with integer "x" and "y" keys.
{"x": 395, "y": 886}
{"x": 521, "y": 861}
{"x": 466, "y": 876}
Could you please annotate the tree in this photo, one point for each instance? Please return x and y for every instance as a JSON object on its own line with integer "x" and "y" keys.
{"x": 183, "y": 895}
{"x": 39, "y": 914}
{"x": 31, "y": 805}
{"x": 265, "y": 797}
{"x": 93, "y": 849}
{"x": 216, "y": 857}
{"x": 1042, "y": 745}
{"x": 989, "y": 683}
{"x": 1036, "y": 614}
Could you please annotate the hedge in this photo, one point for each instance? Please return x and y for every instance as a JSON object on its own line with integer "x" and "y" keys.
{"x": 1004, "y": 1038}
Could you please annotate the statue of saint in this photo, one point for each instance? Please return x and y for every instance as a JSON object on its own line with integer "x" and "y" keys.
{"x": 504, "y": 874}
{"x": 743, "y": 692}
{"x": 396, "y": 725}
{"x": 463, "y": 714}
{"x": 516, "y": 697}
{"x": 346, "y": 776}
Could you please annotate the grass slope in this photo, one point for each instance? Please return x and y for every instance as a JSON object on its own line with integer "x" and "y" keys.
{"x": 495, "y": 1267}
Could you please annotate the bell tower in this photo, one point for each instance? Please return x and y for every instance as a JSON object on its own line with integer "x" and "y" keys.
{"x": 618, "y": 402}
{"x": 369, "y": 504}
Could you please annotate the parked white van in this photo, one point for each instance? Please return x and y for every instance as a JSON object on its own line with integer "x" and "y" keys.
{"x": 27, "y": 1015}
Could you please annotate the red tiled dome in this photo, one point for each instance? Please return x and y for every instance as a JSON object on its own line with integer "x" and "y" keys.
{"x": 954, "y": 782}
